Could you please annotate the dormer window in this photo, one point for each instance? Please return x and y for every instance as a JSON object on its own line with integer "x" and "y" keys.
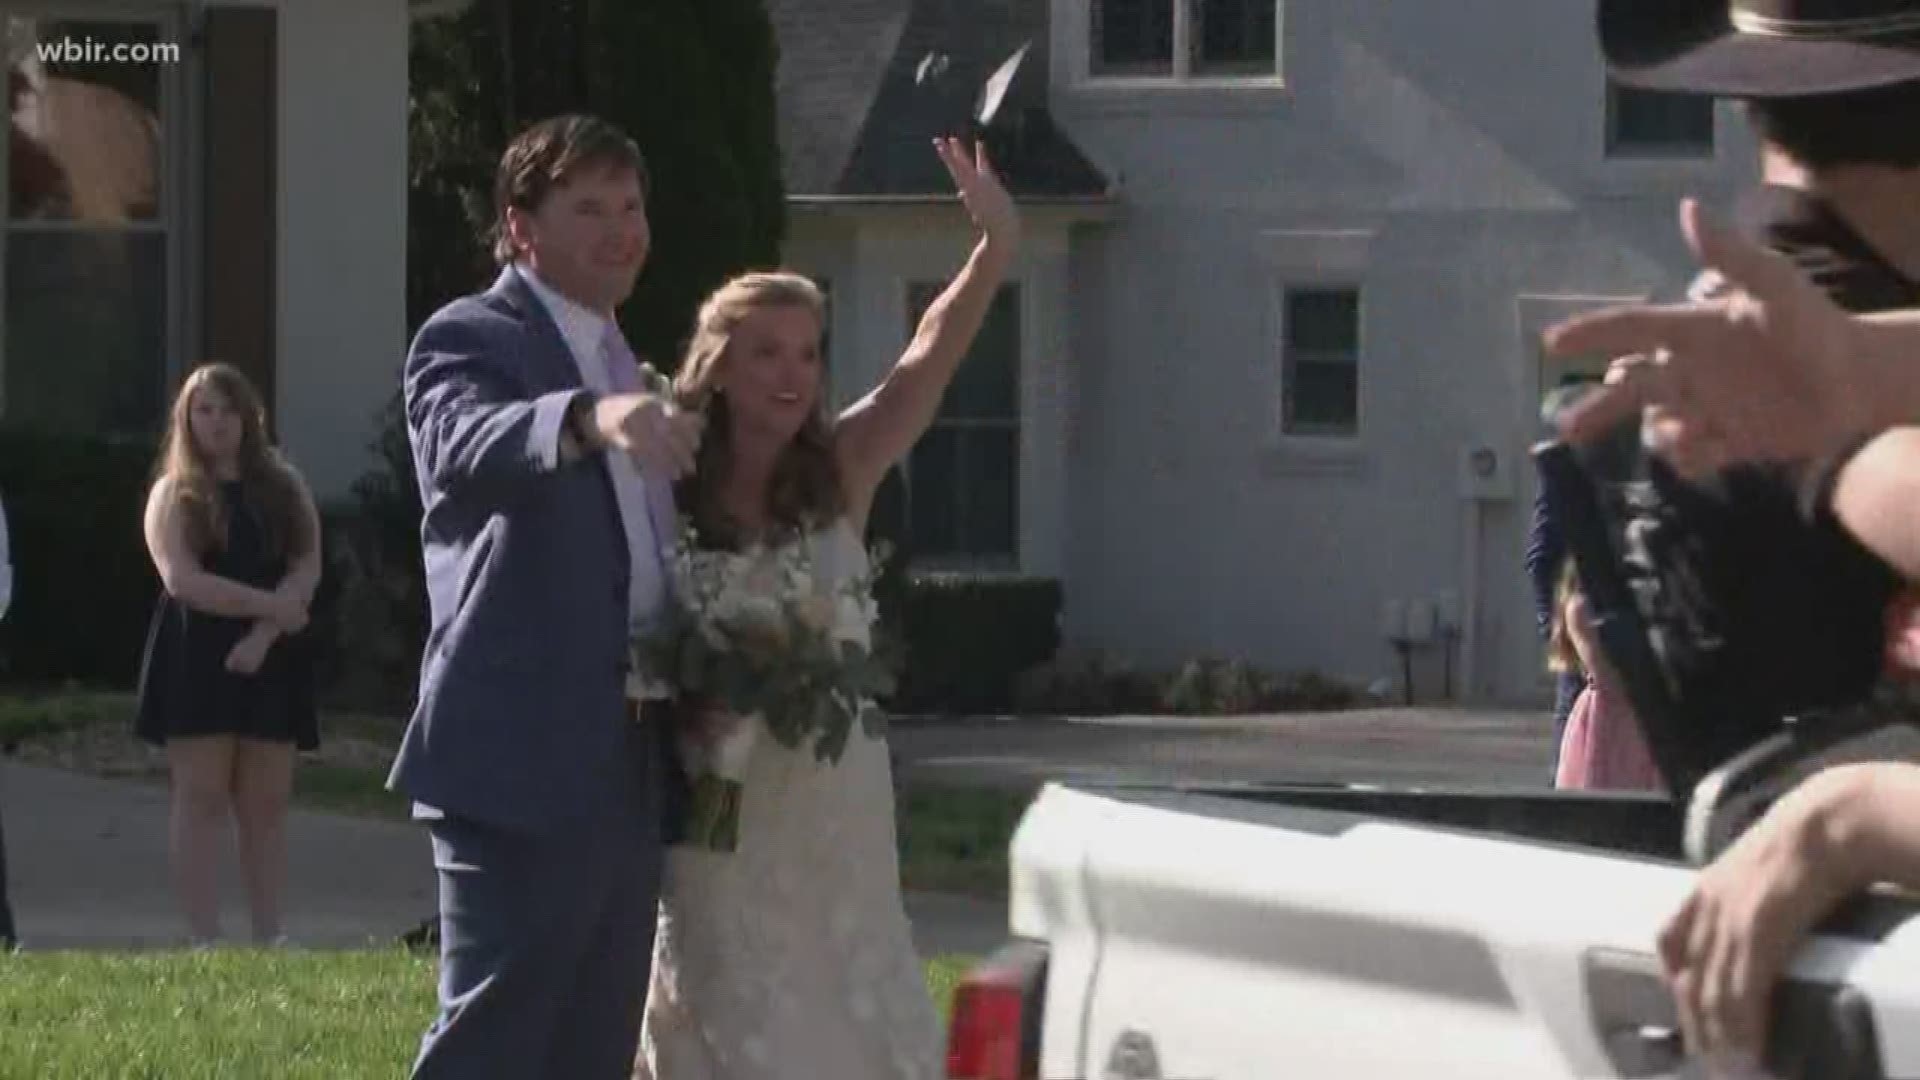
{"x": 1182, "y": 39}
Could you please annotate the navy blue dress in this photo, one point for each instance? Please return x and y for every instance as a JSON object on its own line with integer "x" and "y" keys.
{"x": 185, "y": 687}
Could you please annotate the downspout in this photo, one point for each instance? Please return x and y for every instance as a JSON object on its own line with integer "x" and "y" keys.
{"x": 1470, "y": 615}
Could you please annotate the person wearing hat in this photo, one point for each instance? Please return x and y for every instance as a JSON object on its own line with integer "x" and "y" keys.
{"x": 1832, "y": 88}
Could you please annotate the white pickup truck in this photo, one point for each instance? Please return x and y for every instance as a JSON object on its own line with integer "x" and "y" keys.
{"x": 1248, "y": 932}
{"x": 1245, "y": 932}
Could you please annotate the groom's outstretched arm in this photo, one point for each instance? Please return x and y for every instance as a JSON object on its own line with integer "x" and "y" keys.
{"x": 473, "y": 427}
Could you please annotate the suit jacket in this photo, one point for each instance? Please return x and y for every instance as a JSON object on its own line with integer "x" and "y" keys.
{"x": 6, "y": 566}
{"x": 521, "y": 714}
{"x": 1545, "y": 551}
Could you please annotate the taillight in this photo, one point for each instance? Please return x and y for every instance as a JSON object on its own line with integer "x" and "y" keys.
{"x": 994, "y": 1033}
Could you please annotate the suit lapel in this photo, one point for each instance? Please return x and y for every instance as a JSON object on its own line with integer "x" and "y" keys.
{"x": 553, "y": 358}
{"x": 556, "y": 368}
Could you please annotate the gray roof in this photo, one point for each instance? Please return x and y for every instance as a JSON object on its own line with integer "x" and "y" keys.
{"x": 864, "y": 85}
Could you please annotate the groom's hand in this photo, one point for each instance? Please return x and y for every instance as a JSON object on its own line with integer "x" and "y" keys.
{"x": 662, "y": 436}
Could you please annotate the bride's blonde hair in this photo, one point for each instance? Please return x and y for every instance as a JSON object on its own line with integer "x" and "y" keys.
{"x": 805, "y": 492}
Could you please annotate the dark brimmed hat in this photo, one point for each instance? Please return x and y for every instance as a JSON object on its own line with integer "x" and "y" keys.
{"x": 1761, "y": 48}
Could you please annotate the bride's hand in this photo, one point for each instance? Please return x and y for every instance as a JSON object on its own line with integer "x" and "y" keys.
{"x": 708, "y": 723}
{"x": 986, "y": 200}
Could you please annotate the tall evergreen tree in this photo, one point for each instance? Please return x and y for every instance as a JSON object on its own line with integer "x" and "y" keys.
{"x": 690, "y": 80}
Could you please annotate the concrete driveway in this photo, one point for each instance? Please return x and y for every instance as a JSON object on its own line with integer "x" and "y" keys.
{"x": 87, "y": 868}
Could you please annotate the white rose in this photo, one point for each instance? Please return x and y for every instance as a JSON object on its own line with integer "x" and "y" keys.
{"x": 817, "y": 613}
{"x": 761, "y": 612}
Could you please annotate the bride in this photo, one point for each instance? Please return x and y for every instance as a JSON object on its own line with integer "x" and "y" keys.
{"x": 792, "y": 956}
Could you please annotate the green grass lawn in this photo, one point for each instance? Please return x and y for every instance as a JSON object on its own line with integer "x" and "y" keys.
{"x": 31, "y": 715}
{"x": 954, "y": 839}
{"x": 238, "y": 1013}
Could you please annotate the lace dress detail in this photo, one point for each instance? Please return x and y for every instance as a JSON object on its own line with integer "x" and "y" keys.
{"x": 792, "y": 956}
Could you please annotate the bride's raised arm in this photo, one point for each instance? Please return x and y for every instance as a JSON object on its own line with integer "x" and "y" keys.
{"x": 875, "y": 432}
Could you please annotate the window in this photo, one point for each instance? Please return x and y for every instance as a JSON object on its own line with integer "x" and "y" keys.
{"x": 1320, "y": 363}
{"x": 963, "y": 477}
{"x": 1649, "y": 123}
{"x": 1183, "y": 38}
{"x": 86, "y": 228}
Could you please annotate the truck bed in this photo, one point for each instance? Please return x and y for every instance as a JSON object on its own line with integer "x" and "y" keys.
{"x": 1638, "y": 824}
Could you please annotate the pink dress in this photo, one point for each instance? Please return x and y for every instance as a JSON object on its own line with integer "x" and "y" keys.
{"x": 1603, "y": 748}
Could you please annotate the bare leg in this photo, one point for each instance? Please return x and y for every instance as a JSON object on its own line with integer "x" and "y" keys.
{"x": 264, "y": 786}
{"x": 202, "y": 770}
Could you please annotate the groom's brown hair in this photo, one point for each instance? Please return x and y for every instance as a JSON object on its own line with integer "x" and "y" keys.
{"x": 547, "y": 155}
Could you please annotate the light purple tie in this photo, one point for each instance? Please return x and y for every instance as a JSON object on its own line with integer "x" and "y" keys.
{"x": 623, "y": 377}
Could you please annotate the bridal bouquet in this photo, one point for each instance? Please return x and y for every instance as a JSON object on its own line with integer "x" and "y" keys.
{"x": 759, "y": 642}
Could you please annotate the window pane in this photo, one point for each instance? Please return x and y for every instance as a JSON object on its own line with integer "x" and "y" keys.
{"x": 1323, "y": 319}
{"x": 86, "y": 330}
{"x": 1322, "y": 397}
{"x": 987, "y": 385}
{"x": 1132, "y": 37}
{"x": 932, "y": 479}
{"x": 990, "y": 492}
{"x": 1647, "y": 121}
{"x": 1233, "y": 37}
{"x": 84, "y": 139}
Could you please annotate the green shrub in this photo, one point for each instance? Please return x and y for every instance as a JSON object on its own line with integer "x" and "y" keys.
{"x": 84, "y": 586}
{"x": 1087, "y": 685}
{"x": 967, "y": 638}
{"x": 1094, "y": 686}
{"x": 375, "y": 584}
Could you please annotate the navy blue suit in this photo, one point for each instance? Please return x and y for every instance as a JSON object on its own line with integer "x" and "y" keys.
{"x": 544, "y": 794}
{"x": 1546, "y": 555}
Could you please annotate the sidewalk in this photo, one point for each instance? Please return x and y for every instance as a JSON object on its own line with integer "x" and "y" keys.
{"x": 1472, "y": 746}
{"x": 87, "y": 868}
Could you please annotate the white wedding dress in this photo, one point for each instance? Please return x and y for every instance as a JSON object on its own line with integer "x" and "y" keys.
{"x": 791, "y": 957}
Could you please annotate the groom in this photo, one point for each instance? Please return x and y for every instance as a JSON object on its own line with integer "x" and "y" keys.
{"x": 545, "y": 475}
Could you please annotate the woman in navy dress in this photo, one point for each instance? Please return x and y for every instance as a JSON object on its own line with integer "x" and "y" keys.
{"x": 226, "y": 684}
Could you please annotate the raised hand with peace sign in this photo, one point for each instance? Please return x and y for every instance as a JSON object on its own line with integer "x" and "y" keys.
{"x": 1771, "y": 371}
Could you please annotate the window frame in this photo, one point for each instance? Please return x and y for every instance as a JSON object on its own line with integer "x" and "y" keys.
{"x": 1614, "y": 148}
{"x": 1011, "y": 561}
{"x": 1289, "y": 360}
{"x": 1311, "y": 258}
{"x": 1180, "y": 73}
{"x": 176, "y": 219}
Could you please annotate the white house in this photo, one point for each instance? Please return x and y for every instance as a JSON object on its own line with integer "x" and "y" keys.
{"x": 1268, "y": 371}
{"x": 192, "y": 181}
{"x": 1287, "y": 261}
